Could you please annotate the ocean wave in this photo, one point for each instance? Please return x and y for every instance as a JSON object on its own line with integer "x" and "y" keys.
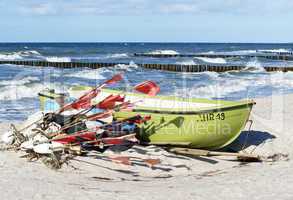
{"x": 58, "y": 59}
{"x": 223, "y": 87}
{"x": 254, "y": 65}
{"x": 19, "y": 55}
{"x": 212, "y": 75}
{"x": 130, "y": 67}
{"x": 29, "y": 53}
{"x": 23, "y": 81}
{"x": 164, "y": 52}
{"x": 219, "y": 89}
{"x": 92, "y": 74}
{"x": 16, "y": 92}
{"x": 275, "y": 51}
{"x": 208, "y": 52}
{"x": 212, "y": 60}
{"x": 10, "y": 57}
{"x": 186, "y": 62}
{"x": 236, "y": 52}
{"x": 118, "y": 55}
{"x": 282, "y": 80}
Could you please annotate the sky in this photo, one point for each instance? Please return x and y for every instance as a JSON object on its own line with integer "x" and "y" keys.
{"x": 146, "y": 21}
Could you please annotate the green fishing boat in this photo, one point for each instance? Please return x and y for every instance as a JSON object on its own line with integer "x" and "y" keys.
{"x": 196, "y": 123}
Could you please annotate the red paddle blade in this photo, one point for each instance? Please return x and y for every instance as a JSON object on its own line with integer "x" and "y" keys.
{"x": 148, "y": 87}
{"x": 114, "y": 79}
{"x": 87, "y": 136}
{"x": 83, "y": 102}
{"x": 110, "y": 102}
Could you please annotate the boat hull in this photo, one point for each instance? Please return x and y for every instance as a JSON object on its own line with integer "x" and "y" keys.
{"x": 206, "y": 124}
{"x": 210, "y": 129}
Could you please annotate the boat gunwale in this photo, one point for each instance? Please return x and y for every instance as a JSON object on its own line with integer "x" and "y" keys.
{"x": 220, "y": 107}
{"x": 212, "y": 110}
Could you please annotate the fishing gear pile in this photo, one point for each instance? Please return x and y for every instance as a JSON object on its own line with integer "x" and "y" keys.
{"x": 76, "y": 128}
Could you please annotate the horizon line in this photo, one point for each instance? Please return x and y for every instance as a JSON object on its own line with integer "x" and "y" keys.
{"x": 146, "y": 42}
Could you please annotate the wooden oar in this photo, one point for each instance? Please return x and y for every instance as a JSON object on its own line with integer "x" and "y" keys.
{"x": 92, "y": 93}
{"x": 108, "y": 140}
{"x": 199, "y": 152}
{"x": 86, "y": 131}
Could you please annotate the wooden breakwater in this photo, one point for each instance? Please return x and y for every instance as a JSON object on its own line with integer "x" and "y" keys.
{"x": 269, "y": 56}
{"x": 166, "y": 67}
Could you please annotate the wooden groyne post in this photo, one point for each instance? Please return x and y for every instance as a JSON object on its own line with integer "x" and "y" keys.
{"x": 166, "y": 67}
{"x": 269, "y": 56}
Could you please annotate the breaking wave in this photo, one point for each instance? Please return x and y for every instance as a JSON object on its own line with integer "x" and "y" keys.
{"x": 212, "y": 60}
{"x": 19, "y": 91}
{"x": 186, "y": 62}
{"x": 58, "y": 59}
{"x": 23, "y": 81}
{"x": 16, "y": 92}
{"x": 275, "y": 51}
{"x": 164, "y": 52}
{"x": 130, "y": 67}
{"x": 19, "y": 55}
{"x": 118, "y": 55}
{"x": 92, "y": 74}
{"x": 254, "y": 65}
{"x": 252, "y": 51}
{"x": 30, "y": 53}
{"x": 222, "y": 87}
{"x": 10, "y": 57}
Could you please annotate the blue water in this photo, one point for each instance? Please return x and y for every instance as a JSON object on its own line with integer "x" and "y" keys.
{"x": 19, "y": 85}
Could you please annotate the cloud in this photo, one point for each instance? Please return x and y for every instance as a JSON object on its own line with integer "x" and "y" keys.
{"x": 39, "y": 9}
{"x": 142, "y": 7}
{"x": 227, "y": 6}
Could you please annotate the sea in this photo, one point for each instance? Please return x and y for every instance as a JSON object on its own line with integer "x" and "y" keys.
{"x": 19, "y": 85}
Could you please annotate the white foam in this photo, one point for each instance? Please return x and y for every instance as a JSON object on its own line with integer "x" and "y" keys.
{"x": 128, "y": 67}
{"x": 245, "y": 51}
{"x": 237, "y": 52}
{"x": 219, "y": 89}
{"x": 223, "y": 87}
{"x": 164, "y": 52}
{"x": 58, "y": 59}
{"x": 212, "y": 60}
{"x": 23, "y": 81}
{"x": 118, "y": 55}
{"x": 93, "y": 74}
{"x": 186, "y": 62}
{"x": 29, "y": 53}
{"x": 208, "y": 52}
{"x": 10, "y": 57}
{"x": 213, "y": 75}
{"x": 275, "y": 50}
{"x": 254, "y": 65}
{"x": 15, "y": 92}
{"x": 282, "y": 80}
{"x": 18, "y": 55}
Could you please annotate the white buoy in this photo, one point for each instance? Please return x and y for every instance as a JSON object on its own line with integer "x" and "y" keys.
{"x": 45, "y": 148}
{"x": 27, "y": 145}
{"x": 8, "y": 138}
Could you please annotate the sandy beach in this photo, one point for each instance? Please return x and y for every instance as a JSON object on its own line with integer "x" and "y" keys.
{"x": 176, "y": 177}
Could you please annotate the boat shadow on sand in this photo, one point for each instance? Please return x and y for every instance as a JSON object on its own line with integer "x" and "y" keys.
{"x": 249, "y": 138}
